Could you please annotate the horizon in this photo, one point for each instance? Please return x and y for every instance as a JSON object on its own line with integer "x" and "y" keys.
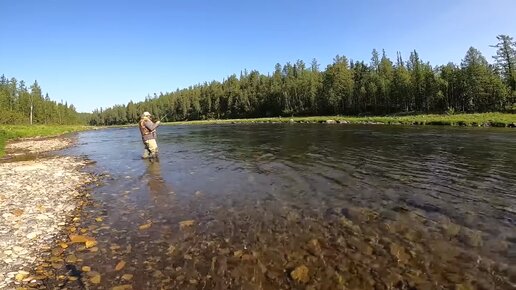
{"x": 126, "y": 52}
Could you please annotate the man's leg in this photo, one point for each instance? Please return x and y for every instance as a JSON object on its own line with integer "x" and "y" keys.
{"x": 146, "y": 151}
{"x": 153, "y": 147}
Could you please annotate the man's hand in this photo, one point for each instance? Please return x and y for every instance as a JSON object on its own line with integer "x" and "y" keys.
{"x": 158, "y": 122}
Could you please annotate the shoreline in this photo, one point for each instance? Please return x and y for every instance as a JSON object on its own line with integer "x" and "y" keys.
{"x": 11, "y": 133}
{"x": 499, "y": 120}
{"x": 468, "y": 120}
{"x": 39, "y": 198}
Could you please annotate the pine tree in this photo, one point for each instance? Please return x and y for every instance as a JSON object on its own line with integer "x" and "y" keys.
{"x": 506, "y": 59}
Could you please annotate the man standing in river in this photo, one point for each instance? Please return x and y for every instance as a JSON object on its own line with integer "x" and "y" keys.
{"x": 148, "y": 131}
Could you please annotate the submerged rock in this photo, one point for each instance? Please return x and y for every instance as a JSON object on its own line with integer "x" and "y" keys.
{"x": 186, "y": 224}
{"x": 314, "y": 247}
{"x": 399, "y": 252}
{"x": 471, "y": 237}
{"x": 300, "y": 274}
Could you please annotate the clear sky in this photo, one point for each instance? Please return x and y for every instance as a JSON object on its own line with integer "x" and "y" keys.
{"x": 95, "y": 53}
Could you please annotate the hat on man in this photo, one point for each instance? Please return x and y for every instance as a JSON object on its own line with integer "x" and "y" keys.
{"x": 146, "y": 114}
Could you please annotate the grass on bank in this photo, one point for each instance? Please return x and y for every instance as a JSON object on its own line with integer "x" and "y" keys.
{"x": 8, "y": 132}
{"x": 483, "y": 119}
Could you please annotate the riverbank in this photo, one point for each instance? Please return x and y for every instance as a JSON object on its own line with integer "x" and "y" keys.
{"x": 25, "y": 131}
{"x": 476, "y": 120}
{"x": 38, "y": 199}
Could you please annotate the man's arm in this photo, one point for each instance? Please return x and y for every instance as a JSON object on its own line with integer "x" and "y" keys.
{"x": 150, "y": 125}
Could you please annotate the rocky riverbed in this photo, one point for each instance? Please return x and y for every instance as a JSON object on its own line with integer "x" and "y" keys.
{"x": 37, "y": 199}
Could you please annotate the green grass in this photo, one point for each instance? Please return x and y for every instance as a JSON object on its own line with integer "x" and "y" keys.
{"x": 24, "y": 131}
{"x": 484, "y": 119}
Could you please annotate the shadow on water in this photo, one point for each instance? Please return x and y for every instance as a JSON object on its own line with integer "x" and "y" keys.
{"x": 295, "y": 206}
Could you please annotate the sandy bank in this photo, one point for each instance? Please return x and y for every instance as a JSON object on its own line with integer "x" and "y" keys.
{"x": 37, "y": 198}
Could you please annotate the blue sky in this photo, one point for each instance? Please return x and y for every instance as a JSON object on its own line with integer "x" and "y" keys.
{"x": 100, "y": 53}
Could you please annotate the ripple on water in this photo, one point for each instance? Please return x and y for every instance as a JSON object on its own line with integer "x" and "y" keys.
{"x": 325, "y": 207}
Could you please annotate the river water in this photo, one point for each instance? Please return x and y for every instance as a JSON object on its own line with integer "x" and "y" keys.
{"x": 295, "y": 206}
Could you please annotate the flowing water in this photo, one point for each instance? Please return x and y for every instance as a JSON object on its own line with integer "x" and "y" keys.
{"x": 298, "y": 207}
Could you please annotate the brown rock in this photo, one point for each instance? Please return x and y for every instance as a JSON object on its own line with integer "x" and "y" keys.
{"x": 86, "y": 268}
{"x": 471, "y": 238}
{"x": 247, "y": 257}
{"x": 90, "y": 244}
{"x": 80, "y": 239}
{"x": 145, "y": 226}
{"x": 451, "y": 229}
{"x": 123, "y": 287}
{"x": 300, "y": 274}
{"x": 185, "y": 224}
{"x": 72, "y": 259}
{"x": 238, "y": 253}
{"x": 95, "y": 279}
{"x": 314, "y": 247}
{"x": 120, "y": 266}
{"x": 463, "y": 286}
{"x": 399, "y": 252}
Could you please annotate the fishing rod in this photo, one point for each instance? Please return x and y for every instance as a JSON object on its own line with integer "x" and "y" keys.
{"x": 166, "y": 115}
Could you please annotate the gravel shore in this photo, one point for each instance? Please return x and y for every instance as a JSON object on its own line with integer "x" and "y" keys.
{"x": 36, "y": 146}
{"x": 37, "y": 198}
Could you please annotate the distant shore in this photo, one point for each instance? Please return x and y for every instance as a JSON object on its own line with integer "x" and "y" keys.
{"x": 471, "y": 120}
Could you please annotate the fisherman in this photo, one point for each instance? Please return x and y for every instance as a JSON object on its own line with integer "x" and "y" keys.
{"x": 148, "y": 131}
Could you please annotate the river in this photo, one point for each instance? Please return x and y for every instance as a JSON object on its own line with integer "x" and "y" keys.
{"x": 289, "y": 206}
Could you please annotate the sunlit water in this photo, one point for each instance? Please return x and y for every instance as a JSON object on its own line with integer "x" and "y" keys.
{"x": 361, "y": 207}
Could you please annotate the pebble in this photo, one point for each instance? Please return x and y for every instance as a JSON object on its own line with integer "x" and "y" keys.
{"x": 48, "y": 181}
{"x": 300, "y": 274}
{"x": 32, "y": 235}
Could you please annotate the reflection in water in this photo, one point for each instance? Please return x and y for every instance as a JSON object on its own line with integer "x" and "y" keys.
{"x": 294, "y": 206}
{"x": 156, "y": 183}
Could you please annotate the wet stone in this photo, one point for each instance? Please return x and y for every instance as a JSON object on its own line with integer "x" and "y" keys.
{"x": 471, "y": 237}
{"x": 314, "y": 247}
{"x": 399, "y": 253}
{"x": 300, "y": 274}
{"x": 123, "y": 287}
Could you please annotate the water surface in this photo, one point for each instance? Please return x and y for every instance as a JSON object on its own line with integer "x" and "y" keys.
{"x": 360, "y": 207}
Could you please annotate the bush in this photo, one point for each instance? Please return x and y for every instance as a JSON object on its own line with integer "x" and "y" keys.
{"x": 511, "y": 108}
{"x": 12, "y": 117}
{"x": 450, "y": 111}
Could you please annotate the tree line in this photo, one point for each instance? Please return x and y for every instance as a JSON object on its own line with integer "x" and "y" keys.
{"x": 20, "y": 104}
{"x": 345, "y": 87}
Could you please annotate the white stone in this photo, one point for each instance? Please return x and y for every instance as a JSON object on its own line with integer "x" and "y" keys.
{"x": 32, "y": 235}
{"x": 17, "y": 248}
{"x": 41, "y": 217}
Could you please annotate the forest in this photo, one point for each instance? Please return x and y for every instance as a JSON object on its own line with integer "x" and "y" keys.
{"x": 20, "y": 104}
{"x": 345, "y": 87}
{"x": 379, "y": 87}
